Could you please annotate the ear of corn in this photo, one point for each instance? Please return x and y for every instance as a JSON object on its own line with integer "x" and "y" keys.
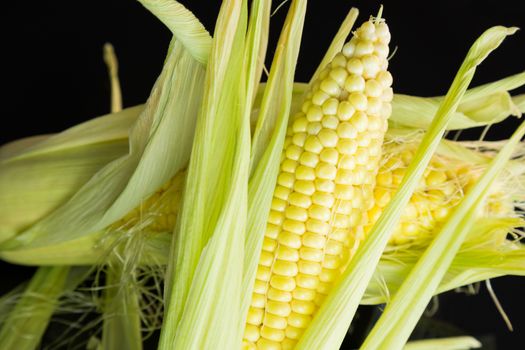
{"x": 329, "y": 163}
{"x": 397, "y": 322}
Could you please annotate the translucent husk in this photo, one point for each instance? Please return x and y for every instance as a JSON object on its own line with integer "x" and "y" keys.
{"x": 452, "y": 343}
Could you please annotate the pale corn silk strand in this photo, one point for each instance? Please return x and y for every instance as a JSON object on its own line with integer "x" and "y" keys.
{"x": 325, "y": 186}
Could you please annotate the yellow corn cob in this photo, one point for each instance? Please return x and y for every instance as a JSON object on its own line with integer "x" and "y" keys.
{"x": 324, "y": 189}
{"x": 444, "y": 184}
{"x": 158, "y": 212}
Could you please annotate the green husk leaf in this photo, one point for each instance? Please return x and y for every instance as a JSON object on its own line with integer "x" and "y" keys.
{"x": 159, "y": 146}
{"x": 272, "y": 123}
{"x": 330, "y": 324}
{"x": 184, "y": 26}
{"x": 482, "y": 105}
{"x": 205, "y": 268}
{"x": 452, "y": 343}
{"x": 24, "y": 326}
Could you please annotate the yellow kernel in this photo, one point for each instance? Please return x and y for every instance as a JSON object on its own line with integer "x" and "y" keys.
{"x": 294, "y": 226}
{"x": 319, "y": 299}
{"x": 299, "y": 125}
{"x": 346, "y": 130}
{"x": 330, "y": 106}
{"x": 279, "y": 295}
{"x": 300, "y": 200}
{"x": 345, "y": 110}
{"x": 247, "y": 345}
{"x": 278, "y": 204}
{"x": 333, "y": 248}
{"x": 285, "y": 268}
{"x": 275, "y": 218}
{"x": 339, "y": 75}
{"x": 355, "y": 83}
{"x": 269, "y": 244}
{"x": 289, "y": 165}
{"x": 384, "y": 178}
{"x": 338, "y": 61}
{"x": 304, "y": 173}
{"x": 303, "y": 307}
{"x": 381, "y": 50}
{"x": 324, "y": 199}
{"x": 360, "y": 121}
{"x": 299, "y": 320}
{"x": 255, "y": 316}
{"x": 276, "y": 335}
{"x": 309, "y": 267}
{"x": 347, "y": 162}
{"x": 346, "y": 146}
{"x": 344, "y": 177}
{"x": 296, "y": 213}
{"x": 286, "y": 253}
{"x": 282, "y": 192}
{"x": 374, "y": 108}
{"x": 258, "y": 300}
{"x": 286, "y": 179}
{"x": 265, "y": 344}
{"x": 307, "y": 281}
{"x": 328, "y": 137}
{"x": 314, "y": 128}
{"x": 251, "y": 333}
{"x": 288, "y": 344}
{"x": 319, "y": 212}
{"x": 314, "y": 114}
{"x": 278, "y": 308}
{"x": 299, "y": 138}
{"x": 311, "y": 254}
{"x": 343, "y": 206}
{"x": 263, "y": 273}
{"x": 289, "y": 239}
{"x": 330, "y": 87}
{"x": 283, "y": 283}
{"x": 387, "y": 95}
{"x": 358, "y": 100}
{"x": 342, "y": 221}
{"x": 319, "y": 97}
{"x": 274, "y": 321}
{"x": 329, "y": 155}
{"x": 384, "y": 78}
{"x": 317, "y": 226}
{"x": 331, "y": 262}
{"x": 272, "y": 231}
{"x": 305, "y": 187}
{"x": 266, "y": 259}
{"x": 381, "y": 196}
{"x": 293, "y": 152}
{"x": 314, "y": 240}
{"x": 435, "y": 178}
{"x": 294, "y": 332}
{"x": 306, "y": 104}
{"x": 371, "y": 65}
{"x": 330, "y": 122}
{"x": 324, "y": 288}
{"x": 324, "y": 185}
{"x": 354, "y": 66}
{"x": 309, "y": 159}
{"x": 313, "y": 144}
{"x": 349, "y": 48}
{"x": 260, "y": 287}
{"x": 373, "y": 88}
{"x": 326, "y": 171}
{"x": 344, "y": 192}
{"x": 303, "y": 294}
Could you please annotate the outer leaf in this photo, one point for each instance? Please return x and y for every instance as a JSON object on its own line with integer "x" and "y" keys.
{"x": 483, "y": 105}
{"x": 330, "y": 324}
{"x": 159, "y": 147}
{"x": 452, "y": 343}
{"x": 205, "y": 271}
{"x": 184, "y": 26}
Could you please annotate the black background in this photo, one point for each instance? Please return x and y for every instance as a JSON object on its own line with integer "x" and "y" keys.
{"x": 53, "y": 77}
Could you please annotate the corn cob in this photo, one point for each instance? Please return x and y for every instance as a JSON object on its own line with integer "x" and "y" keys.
{"x": 158, "y": 212}
{"x": 325, "y": 187}
{"x": 444, "y": 184}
